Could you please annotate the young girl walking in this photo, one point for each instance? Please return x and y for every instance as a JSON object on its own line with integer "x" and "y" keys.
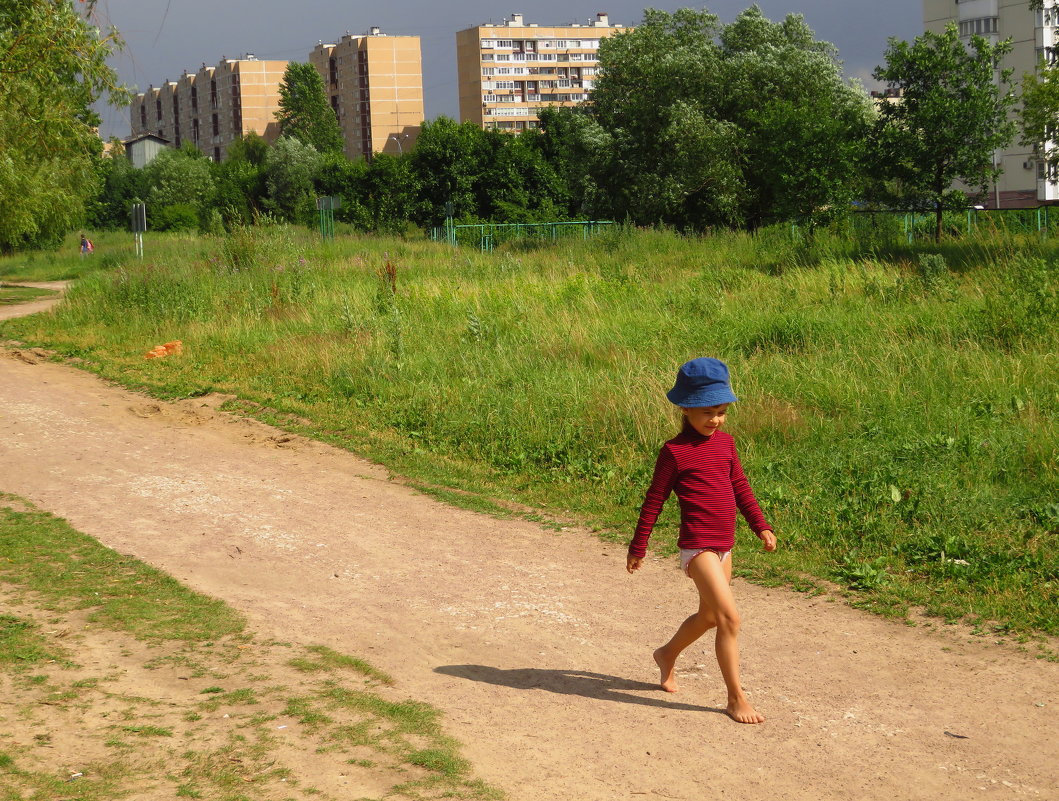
{"x": 700, "y": 464}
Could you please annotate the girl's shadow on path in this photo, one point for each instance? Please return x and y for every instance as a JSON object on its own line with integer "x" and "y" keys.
{"x": 570, "y": 682}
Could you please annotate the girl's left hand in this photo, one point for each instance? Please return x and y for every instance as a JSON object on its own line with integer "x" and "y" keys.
{"x": 768, "y": 539}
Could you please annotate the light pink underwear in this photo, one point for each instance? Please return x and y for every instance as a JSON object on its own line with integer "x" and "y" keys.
{"x": 688, "y": 554}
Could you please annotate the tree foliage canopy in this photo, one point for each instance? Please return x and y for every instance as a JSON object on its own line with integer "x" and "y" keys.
{"x": 304, "y": 113}
{"x": 1039, "y": 115}
{"x": 52, "y": 68}
{"x": 691, "y": 111}
{"x": 952, "y": 116}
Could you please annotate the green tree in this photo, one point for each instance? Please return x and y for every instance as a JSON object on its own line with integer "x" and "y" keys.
{"x": 182, "y": 178}
{"x": 710, "y": 124}
{"x": 1039, "y": 114}
{"x": 304, "y": 113}
{"x": 290, "y": 170}
{"x": 519, "y": 184}
{"x": 122, "y": 185}
{"x": 240, "y": 180}
{"x": 448, "y": 161}
{"x": 951, "y": 118}
{"x": 52, "y": 68}
{"x": 803, "y": 138}
{"x": 577, "y": 148}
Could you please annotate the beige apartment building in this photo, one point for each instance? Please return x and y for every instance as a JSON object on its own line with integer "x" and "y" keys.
{"x": 507, "y": 72}
{"x": 1024, "y": 182}
{"x": 213, "y": 107}
{"x": 375, "y": 85}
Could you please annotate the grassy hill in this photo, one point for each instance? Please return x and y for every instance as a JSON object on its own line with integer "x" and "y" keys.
{"x": 898, "y": 403}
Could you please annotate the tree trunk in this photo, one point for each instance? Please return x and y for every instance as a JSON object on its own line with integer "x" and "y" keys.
{"x": 937, "y": 225}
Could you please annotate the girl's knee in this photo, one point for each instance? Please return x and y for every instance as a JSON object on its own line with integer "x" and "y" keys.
{"x": 728, "y": 621}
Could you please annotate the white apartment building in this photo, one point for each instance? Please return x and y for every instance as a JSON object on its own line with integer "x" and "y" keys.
{"x": 1024, "y": 182}
{"x": 509, "y": 71}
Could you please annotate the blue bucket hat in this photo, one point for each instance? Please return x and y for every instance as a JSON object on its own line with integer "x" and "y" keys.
{"x": 701, "y": 382}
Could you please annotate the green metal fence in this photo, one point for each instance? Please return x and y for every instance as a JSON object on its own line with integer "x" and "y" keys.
{"x": 486, "y": 236}
{"x": 913, "y": 225}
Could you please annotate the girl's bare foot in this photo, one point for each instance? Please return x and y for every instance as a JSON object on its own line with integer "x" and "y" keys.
{"x": 740, "y": 710}
{"x": 669, "y": 681}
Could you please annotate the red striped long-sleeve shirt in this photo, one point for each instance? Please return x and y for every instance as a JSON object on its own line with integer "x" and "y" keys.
{"x": 710, "y": 485}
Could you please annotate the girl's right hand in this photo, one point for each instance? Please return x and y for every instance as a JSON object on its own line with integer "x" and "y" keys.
{"x": 633, "y": 563}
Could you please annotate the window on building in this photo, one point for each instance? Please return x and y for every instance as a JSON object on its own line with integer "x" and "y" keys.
{"x": 143, "y": 115}
{"x": 983, "y": 26}
{"x": 487, "y": 71}
{"x": 195, "y": 131}
{"x": 502, "y": 57}
{"x": 560, "y": 44}
{"x": 334, "y": 104}
{"x": 213, "y": 93}
{"x": 217, "y": 154}
{"x": 158, "y": 109}
{"x": 216, "y": 126}
{"x": 194, "y": 99}
{"x": 176, "y": 107}
{"x": 504, "y": 43}
{"x": 332, "y": 70}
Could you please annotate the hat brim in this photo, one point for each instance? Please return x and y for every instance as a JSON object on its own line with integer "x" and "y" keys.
{"x": 699, "y": 398}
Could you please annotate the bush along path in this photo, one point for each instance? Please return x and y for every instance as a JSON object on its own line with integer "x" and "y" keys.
{"x": 534, "y": 643}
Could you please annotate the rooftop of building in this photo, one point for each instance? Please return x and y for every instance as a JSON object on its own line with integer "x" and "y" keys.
{"x": 602, "y": 20}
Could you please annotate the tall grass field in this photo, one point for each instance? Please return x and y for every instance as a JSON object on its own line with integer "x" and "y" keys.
{"x": 898, "y": 402}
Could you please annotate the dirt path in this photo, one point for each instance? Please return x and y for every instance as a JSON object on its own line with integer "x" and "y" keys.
{"x": 34, "y": 306}
{"x": 536, "y": 644}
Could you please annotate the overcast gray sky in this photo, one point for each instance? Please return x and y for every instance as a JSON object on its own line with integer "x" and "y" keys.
{"x": 165, "y": 37}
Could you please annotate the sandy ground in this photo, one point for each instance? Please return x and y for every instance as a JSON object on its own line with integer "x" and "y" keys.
{"x": 536, "y": 644}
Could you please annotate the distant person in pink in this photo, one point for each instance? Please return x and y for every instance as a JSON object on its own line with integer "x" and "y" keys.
{"x": 702, "y": 467}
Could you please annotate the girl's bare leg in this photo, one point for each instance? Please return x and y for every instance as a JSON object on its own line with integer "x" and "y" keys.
{"x": 713, "y": 580}
{"x": 690, "y": 630}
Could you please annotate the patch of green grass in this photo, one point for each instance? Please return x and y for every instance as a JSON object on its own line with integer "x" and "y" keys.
{"x": 21, "y": 645}
{"x": 440, "y": 761}
{"x": 73, "y": 571}
{"x": 328, "y": 659}
{"x": 148, "y": 731}
{"x": 11, "y": 295}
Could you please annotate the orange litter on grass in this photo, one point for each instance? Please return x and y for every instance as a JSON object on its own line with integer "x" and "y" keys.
{"x": 174, "y": 348}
